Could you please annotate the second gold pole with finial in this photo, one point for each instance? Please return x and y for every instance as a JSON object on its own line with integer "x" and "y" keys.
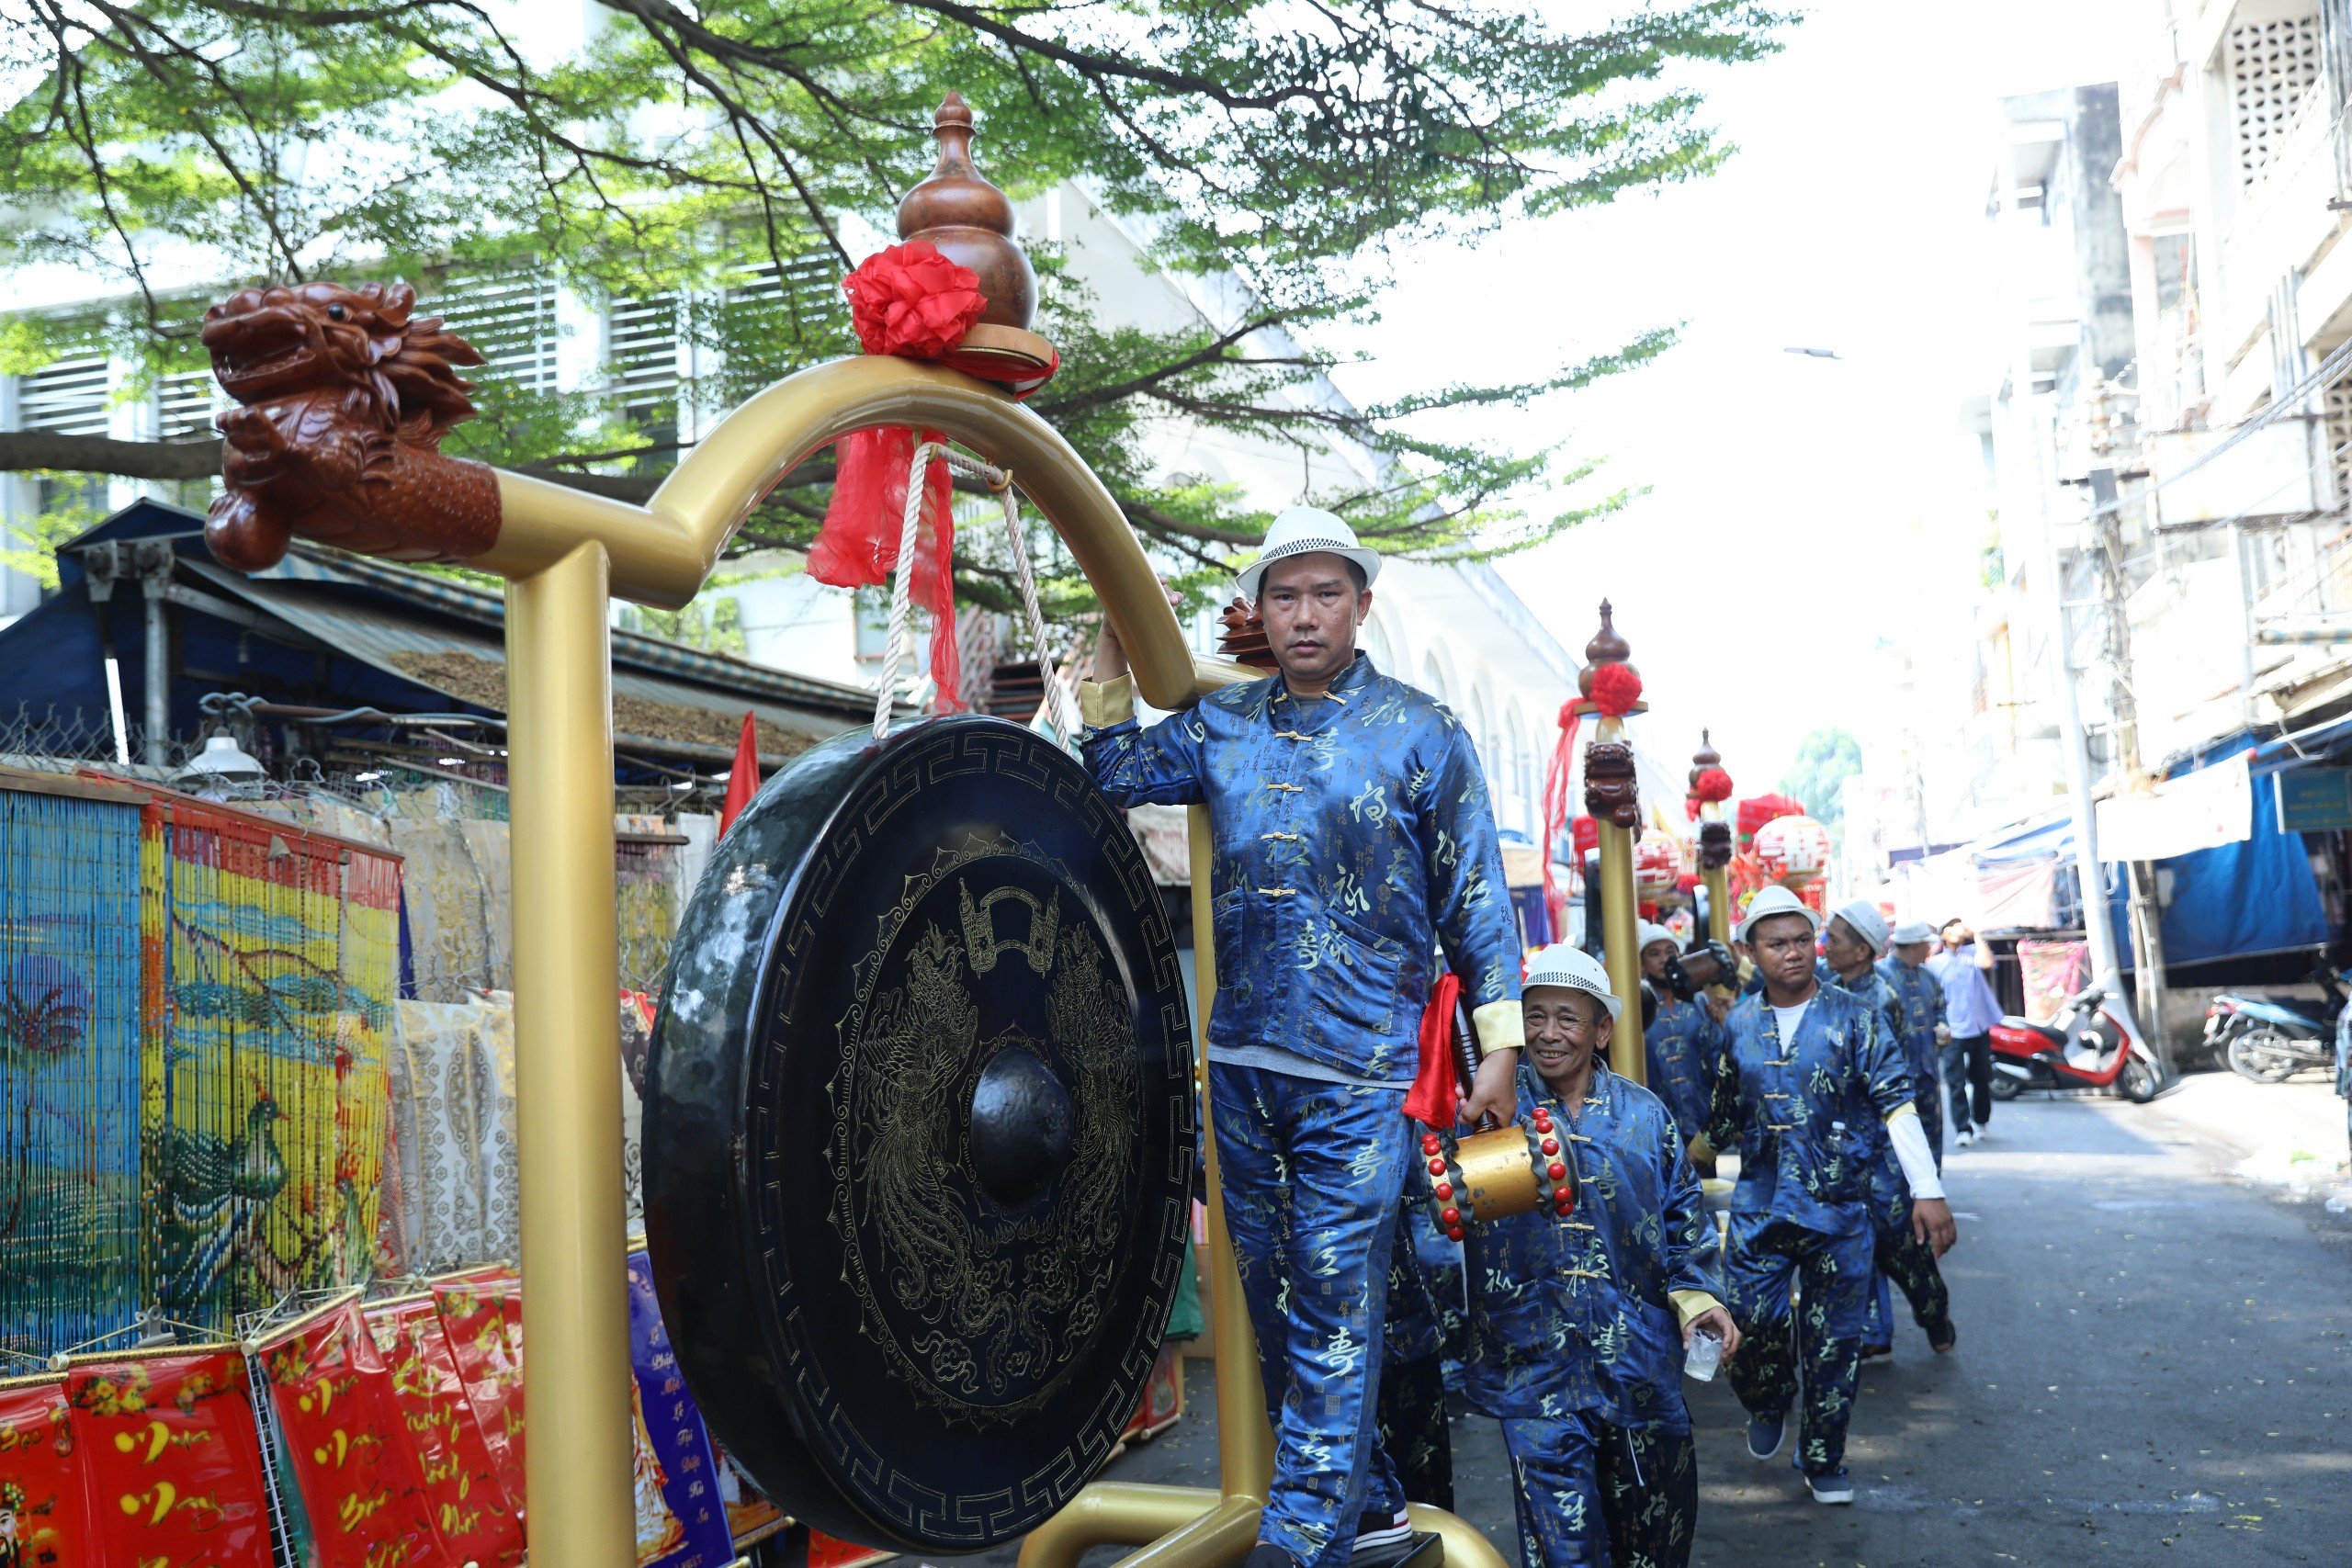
{"x": 1619, "y": 917}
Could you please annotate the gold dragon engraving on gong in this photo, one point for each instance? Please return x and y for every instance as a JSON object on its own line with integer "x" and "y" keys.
{"x": 971, "y": 1301}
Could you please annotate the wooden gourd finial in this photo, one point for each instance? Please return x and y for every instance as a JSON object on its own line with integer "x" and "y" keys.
{"x": 1606, "y": 648}
{"x": 970, "y": 220}
{"x": 1706, "y": 756}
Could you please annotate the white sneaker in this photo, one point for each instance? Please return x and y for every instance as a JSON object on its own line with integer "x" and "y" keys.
{"x": 1967, "y": 1137}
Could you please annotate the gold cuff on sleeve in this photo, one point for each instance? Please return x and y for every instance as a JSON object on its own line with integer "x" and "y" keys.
{"x": 1688, "y": 1305}
{"x": 1105, "y": 703}
{"x": 1905, "y": 1108}
{"x": 1500, "y": 1027}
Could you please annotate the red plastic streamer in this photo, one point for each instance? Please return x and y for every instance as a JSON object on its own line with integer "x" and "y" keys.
{"x": 911, "y": 302}
{"x": 1615, "y": 689}
{"x": 858, "y": 544}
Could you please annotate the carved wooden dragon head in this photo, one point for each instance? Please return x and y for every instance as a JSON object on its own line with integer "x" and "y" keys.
{"x": 268, "y": 344}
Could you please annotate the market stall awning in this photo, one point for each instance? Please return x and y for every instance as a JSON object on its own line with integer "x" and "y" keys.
{"x": 448, "y": 639}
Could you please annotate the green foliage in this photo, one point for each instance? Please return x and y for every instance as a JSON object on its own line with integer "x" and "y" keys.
{"x": 704, "y": 156}
{"x": 714, "y": 624}
{"x": 1824, "y": 759}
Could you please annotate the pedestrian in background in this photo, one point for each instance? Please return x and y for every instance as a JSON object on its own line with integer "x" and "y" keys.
{"x": 1683, "y": 1041}
{"x": 1970, "y": 1012}
{"x": 1853, "y": 944}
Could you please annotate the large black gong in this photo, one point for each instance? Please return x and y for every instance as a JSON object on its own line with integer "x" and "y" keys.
{"x": 919, "y": 1135}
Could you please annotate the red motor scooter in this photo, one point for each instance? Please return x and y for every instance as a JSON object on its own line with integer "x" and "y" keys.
{"x": 2092, "y": 1044}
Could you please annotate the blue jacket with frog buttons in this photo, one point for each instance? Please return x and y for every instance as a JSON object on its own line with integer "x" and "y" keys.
{"x": 1353, "y": 834}
{"x": 1586, "y": 1313}
{"x": 1807, "y": 1115}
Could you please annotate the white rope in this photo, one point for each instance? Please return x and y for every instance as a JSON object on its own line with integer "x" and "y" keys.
{"x": 901, "y": 587}
{"x": 1057, "y": 701}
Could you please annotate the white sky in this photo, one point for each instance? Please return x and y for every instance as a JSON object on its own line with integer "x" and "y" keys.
{"x": 1798, "y": 510}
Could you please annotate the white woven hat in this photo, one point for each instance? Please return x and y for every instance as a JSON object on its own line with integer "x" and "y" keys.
{"x": 1774, "y": 901}
{"x": 1306, "y": 531}
{"x": 1649, "y": 931}
{"x": 1910, "y": 931}
{"x": 1863, "y": 919}
{"x": 1570, "y": 967}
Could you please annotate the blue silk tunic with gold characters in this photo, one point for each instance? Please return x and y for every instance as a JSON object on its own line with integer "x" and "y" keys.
{"x": 1352, "y": 835}
{"x": 1807, "y": 1115}
{"x": 1585, "y": 1314}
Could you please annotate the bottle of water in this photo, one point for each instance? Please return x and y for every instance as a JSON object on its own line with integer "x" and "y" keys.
{"x": 1706, "y": 1353}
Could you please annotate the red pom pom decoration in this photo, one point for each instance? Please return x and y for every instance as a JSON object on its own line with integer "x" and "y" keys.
{"x": 1711, "y": 784}
{"x": 911, "y": 301}
{"x": 1615, "y": 689}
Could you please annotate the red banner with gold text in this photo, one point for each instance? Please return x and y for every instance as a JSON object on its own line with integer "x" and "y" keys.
{"x": 482, "y": 1313}
{"x": 470, "y": 1509}
{"x": 43, "y": 1496}
{"x": 349, "y": 1449}
{"x": 171, "y": 1461}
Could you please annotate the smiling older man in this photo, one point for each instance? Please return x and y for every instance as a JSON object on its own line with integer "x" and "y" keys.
{"x": 1353, "y": 838}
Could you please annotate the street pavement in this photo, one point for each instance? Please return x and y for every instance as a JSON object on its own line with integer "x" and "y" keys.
{"x": 2154, "y": 1367}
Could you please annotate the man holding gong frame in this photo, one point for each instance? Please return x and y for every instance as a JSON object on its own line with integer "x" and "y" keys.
{"x": 1353, "y": 838}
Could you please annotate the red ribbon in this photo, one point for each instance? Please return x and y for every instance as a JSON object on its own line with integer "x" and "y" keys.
{"x": 914, "y": 303}
{"x": 1615, "y": 689}
{"x": 1436, "y": 1095}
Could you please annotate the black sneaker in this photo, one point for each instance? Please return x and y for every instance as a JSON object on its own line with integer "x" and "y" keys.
{"x": 1836, "y": 1488}
{"x": 1765, "y": 1434}
{"x": 1942, "y": 1338}
{"x": 1381, "y": 1532}
{"x": 1266, "y": 1554}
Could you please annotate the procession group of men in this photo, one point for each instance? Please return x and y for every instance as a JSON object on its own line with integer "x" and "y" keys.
{"x": 1354, "y": 848}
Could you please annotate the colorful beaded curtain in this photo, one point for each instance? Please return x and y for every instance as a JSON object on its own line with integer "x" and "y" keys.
{"x": 69, "y": 1225}
{"x": 274, "y": 955}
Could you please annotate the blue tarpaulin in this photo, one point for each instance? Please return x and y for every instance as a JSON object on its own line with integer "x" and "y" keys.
{"x": 2239, "y": 900}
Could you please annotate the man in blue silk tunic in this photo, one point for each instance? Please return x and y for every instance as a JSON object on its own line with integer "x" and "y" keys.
{"x": 1812, "y": 1091}
{"x": 1353, "y": 838}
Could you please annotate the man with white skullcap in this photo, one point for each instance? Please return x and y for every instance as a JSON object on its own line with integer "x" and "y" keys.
{"x": 1683, "y": 1038}
{"x": 1578, "y": 1320}
{"x": 1810, "y": 1089}
{"x": 1353, "y": 838}
{"x": 1905, "y": 968}
{"x": 1852, "y": 946}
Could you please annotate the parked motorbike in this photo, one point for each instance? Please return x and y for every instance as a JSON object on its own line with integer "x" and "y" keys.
{"x": 2092, "y": 1044}
{"x": 2271, "y": 1039}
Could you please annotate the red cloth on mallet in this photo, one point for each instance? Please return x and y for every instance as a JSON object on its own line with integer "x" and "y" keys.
{"x": 1436, "y": 1095}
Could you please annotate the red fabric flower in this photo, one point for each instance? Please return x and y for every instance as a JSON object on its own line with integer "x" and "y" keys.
{"x": 912, "y": 301}
{"x": 1712, "y": 784}
{"x": 1615, "y": 689}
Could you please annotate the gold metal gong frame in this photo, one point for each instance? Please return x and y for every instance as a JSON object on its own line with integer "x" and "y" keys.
{"x": 565, "y": 555}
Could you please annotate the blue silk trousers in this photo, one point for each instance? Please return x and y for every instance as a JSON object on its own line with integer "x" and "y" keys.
{"x": 1313, "y": 1175}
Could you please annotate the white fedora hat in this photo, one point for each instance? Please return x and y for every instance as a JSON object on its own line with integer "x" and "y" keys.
{"x": 1862, "y": 917}
{"x": 1570, "y": 967}
{"x": 1307, "y": 531}
{"x": 1771, "y": 901}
